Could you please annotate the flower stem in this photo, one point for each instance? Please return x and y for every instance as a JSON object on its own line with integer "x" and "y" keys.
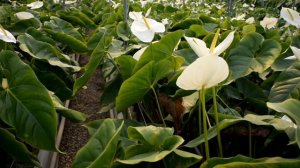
{"x": 158, "y": 106}
{"x": 217, "y": 121}
{"x": 204, "y": 124}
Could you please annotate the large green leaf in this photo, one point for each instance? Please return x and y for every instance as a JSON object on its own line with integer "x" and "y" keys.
{"x": 252, "y": 54}
{"x": 246, "y": 162}
{"x": 72, "y": 115}
{"x": 287, "y": 84}
{"x": 77, "y": 17}
{"x": 263, "y": 120}
{"x": 181, "y": 159}
{"x": 25, "y": 103}
{"x": 160, "y": 50}
{"x": 65, "y": 33}
{"x": 123, "y": 31}
{"x": 21, "y": 26}
{"x": 126, "y": 64}
{"x": 97, "y": 56}
{"x": 45, "y": 51}
{"x": 155, "y": 143}
{"x": 135, "y": 87}
{"x": 15, "y": 148}
{"x": 100, "y": 150}
{"x": 291, "y": 108}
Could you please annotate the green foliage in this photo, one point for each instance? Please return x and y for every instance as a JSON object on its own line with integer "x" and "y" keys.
{"x": 103, "y": 143}
{"x": 26, "y": 105}
{"x": 252, "y": 54}
{"x": 246, "y": 162}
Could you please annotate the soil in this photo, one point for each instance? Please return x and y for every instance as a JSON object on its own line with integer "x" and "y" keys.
{"x": 87, "y": 101}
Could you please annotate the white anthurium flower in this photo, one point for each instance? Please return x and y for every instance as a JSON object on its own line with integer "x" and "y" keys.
{"x": 143, "y": 3}
{"x": 250, "y": 20}
{"x": 268, "y": 22}
{"x": 245, "y": 5}
{"x": 139, "y": 53}
{"x": 290, "y": 16}
{"x": 35, "y": 5}
{"x": 70, "y": 2}
{"x": 136, "y": 15}
{"x": 189, "y": 101}
{"x": 24, "y": 15}
{"x": 286, "y": 118}
{"x": 165, "y": 21}
{"x": 296, "y": 55}
{"x": 239, "y": 17}
{"x": 145, "y": 28}
{"x": 148, "y": 12}
{"x": 208, "y": 70}
{"x": 6, "y": 36}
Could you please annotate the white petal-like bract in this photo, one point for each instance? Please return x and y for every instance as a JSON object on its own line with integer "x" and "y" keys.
{"x": 296, "y": 52}
{"x": 139, "y": 53}
{"x": 198, "y": 46}
{"x": 35, "y": 5}
{"x": 290, "y": 16}
{"x": 224, "y": 44}
{"x": 268, "y": 22}
{"x": 144, "y": 28}
{"x": 136, "y": 15}
{"x": 205, "y": 72}
{"x": 24, "y": 15}
{"x": 250, "y": 20}
{"x": 7, "y": 36}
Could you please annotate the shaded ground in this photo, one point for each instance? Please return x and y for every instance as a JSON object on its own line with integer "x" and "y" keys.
{"x": 75, "y": 136}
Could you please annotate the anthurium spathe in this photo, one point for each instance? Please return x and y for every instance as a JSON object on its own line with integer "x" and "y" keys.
{"x": 35, "y": 5}
{"x": 24, "y": 15}
{"x": 268, "y": 22}
{"x": 296, "y": 55}
{"x": 209, "y": 69}
{"x": 145, "y": 28}
{"x": 6, "y": 36}
{"x": 290, "y": 16}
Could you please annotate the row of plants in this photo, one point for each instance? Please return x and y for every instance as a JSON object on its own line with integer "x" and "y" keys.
{"x": 197, "y": 83}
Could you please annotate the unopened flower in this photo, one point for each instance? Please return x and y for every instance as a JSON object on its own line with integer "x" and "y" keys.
{"x": 268, "y": 22}
{"x": 290, "y": 16}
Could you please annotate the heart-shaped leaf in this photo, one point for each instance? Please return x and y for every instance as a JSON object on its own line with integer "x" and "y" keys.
{"x": 291, "y": 108}
{"x": 16, "y": 149}
{"x": 25, "y": 103}
{"x": 252, "y": 54}
{"x": 101, "y": 148}
{"x": 287, "y": 84}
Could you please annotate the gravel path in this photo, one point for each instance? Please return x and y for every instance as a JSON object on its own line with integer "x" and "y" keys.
{"x": 75, "y": 136}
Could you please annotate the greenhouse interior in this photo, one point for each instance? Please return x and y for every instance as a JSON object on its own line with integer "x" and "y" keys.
{"x": 149, "y": 83}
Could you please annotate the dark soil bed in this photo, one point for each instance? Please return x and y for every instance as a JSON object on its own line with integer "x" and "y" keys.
{"x": 75, "y": 135}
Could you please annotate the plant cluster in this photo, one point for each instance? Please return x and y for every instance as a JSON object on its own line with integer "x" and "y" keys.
{"x": 209, "y": 83}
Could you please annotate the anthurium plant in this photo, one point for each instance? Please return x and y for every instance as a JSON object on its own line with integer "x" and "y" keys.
{"x": 198, "y": 83}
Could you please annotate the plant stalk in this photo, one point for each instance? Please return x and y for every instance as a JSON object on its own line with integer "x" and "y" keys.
{"x": 217, "y": 121}
{"x": 250, "y": 140}
{"x": 205, "y": 124}
{"x": 158, "y": 106}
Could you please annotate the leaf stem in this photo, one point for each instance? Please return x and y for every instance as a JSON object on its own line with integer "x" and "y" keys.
{"x": 250, "y": 140}
{"x": 217, "y": 121}
{"x": 158, "y": 106}
{"x": 204, "y": 124}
